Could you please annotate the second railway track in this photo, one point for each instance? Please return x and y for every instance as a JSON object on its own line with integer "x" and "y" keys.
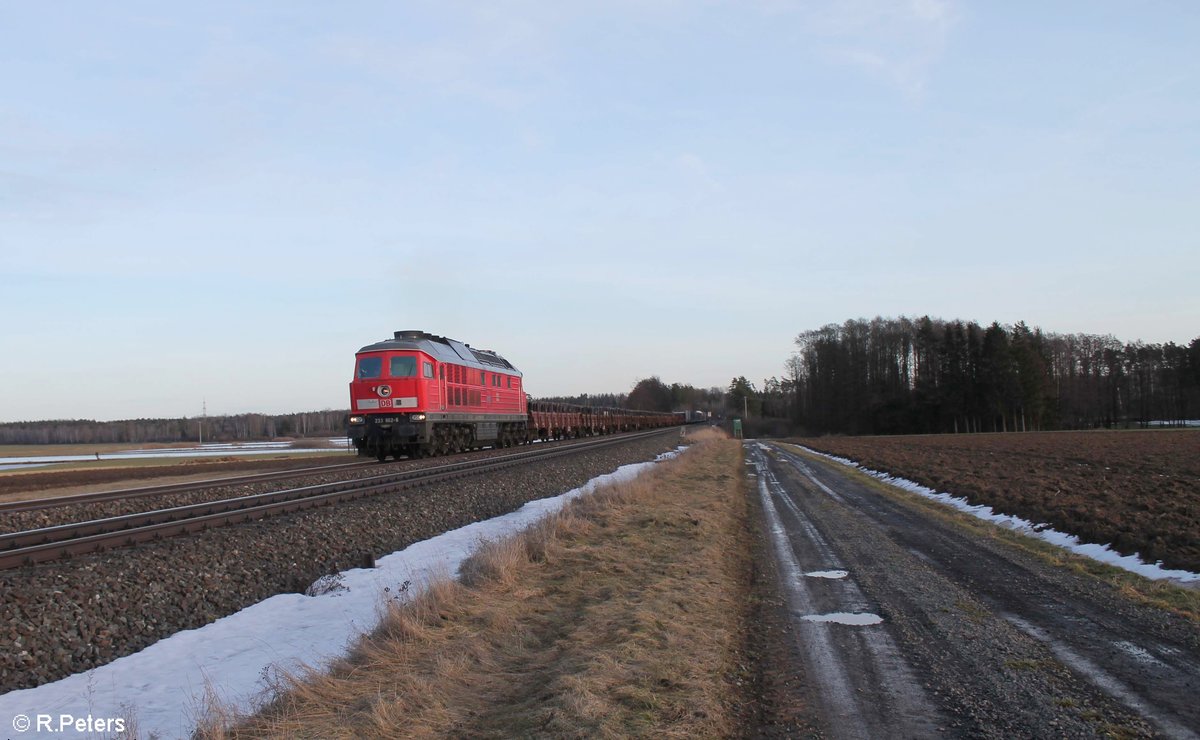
{"x": 124, "y": 494}
{"x": 46, "y": 544}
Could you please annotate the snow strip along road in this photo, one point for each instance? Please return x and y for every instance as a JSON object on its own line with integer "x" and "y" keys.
{"x": 915, "y": 626}
{"x": 163, "y": 688}
{"x": 1093, "y": 550}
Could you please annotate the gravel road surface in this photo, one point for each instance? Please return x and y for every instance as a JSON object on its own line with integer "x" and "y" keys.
{"x": 892, "y": 623}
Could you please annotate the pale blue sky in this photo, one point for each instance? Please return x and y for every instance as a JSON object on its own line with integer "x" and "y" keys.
{"x": 225, "y": 201}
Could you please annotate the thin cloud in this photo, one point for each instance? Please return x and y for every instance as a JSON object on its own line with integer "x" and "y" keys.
{"x": 697, "y": 170}
{"x": 894, "y": 41}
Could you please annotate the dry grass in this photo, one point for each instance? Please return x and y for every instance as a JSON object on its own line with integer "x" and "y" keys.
{"x": 622, "y": 615}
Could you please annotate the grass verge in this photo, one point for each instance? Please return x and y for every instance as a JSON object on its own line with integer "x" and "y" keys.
{"x": 624, "y": 614}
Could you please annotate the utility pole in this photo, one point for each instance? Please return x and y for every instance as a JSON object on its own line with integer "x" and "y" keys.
{"x": 203, "y": 416}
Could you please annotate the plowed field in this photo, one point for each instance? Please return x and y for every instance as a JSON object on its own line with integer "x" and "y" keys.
{"x": 1137, "y": 491}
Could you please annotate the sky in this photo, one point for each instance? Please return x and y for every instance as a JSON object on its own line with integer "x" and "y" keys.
{"x": 213, "y": 206}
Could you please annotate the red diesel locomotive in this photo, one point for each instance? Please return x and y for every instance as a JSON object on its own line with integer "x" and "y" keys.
{"x": 419, "y": 394}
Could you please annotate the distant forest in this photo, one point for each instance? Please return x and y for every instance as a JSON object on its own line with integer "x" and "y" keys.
{"x": 900, "y": 376}
{"x": 652, "y": 394}
{"x": 883, "y": 376}
{"x": 241, "y": 427}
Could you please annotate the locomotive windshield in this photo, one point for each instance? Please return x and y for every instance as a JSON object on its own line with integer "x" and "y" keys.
{"x": 370, "y": 367}
{"x": 404, "y": 367}
{"x": 398, "y": 367}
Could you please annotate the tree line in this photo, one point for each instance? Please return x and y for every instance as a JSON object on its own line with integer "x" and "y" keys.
{"x": 240, "y": 427}
{"x": 652, "y": 394}
{"x": 883, "y": 376}
{"x": 900, "y": 376}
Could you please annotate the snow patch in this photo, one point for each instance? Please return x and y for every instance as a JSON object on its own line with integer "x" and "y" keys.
{"x": 831, "y": 574}
{"x": 1102, "y": 553}
{"x": 854, "y": 619}
{"x": 236, "y": 656}
{"x": 1139, "y": 653}
{"x": 215, "y": 449}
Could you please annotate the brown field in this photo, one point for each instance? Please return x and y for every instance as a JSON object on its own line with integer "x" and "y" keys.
{"x": 1138, "y": 491}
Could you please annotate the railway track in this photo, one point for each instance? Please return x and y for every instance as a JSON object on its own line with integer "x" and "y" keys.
{"x": 47, "y": 544}
{"x": 98, "y": 497}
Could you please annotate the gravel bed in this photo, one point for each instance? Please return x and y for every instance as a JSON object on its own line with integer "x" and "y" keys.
{"x": 66, "y": 617}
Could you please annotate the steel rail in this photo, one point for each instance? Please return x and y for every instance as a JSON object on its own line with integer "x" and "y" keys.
{"x": 54, "y": 502}
{"x": 98, "y": 497}
{"x": 63, "y": 541}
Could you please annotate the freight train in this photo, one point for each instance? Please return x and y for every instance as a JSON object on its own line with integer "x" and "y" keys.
{"x": 419, "y": 394}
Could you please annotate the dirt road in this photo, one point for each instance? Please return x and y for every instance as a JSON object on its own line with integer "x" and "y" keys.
{"x": 895, "y": 623}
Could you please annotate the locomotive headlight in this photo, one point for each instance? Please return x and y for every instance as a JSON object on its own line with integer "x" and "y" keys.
{"x": 357, "y": 419}
{"x": 416, "y": 417}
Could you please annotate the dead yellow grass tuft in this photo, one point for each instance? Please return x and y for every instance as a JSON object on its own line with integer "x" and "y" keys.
{"x": 623, "y": 614}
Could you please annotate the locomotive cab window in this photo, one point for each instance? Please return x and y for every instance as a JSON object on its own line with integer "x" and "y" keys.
{"x": 428, "y": 369}
{"x": 370, "y": 367}
{"x": 403, "y": 367}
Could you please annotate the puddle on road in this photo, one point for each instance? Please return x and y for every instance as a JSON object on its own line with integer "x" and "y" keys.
{"x": 1141, "y": 654}
{"x": 828, "y": 574}
{"x": 861, "y": 619}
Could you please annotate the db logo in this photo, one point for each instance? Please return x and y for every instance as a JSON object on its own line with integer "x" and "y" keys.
{"x": 385, "y": 403}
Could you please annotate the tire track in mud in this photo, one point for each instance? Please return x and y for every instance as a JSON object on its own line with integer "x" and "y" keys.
{"x": 1142, "y": 657}
{"x": 866, "y": 689}
{"x": 996, "y": 642}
